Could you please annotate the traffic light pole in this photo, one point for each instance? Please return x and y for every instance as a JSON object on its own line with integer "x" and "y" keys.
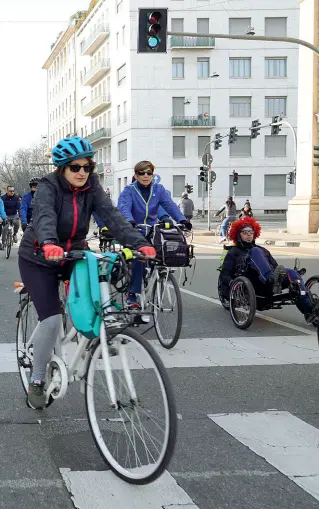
{"x": 203, "y": 199}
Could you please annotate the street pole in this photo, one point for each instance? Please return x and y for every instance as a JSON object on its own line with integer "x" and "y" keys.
{"x": 293, "y": 40}
{"x": 203, "y": 199}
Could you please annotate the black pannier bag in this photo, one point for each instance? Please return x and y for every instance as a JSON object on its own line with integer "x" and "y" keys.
{"x": 171, "y": 247}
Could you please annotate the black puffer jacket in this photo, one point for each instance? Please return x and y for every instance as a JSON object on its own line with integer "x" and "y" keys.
{"x": 61, "y": 215}
{"x": 235, "y": 260}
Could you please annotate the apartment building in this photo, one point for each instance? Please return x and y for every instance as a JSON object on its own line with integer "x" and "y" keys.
{"x": 167, "y": 107}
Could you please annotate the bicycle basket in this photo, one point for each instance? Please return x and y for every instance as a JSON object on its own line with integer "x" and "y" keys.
{"x": 171, "y": 247}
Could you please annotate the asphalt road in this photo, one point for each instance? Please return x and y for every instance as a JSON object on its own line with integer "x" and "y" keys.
{"x": 247, "y": 406}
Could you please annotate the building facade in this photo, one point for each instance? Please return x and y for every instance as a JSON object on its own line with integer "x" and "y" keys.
{"x": 167, "y": 107}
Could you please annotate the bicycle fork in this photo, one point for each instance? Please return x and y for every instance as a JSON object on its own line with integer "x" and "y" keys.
{"x": 115, "y": 403}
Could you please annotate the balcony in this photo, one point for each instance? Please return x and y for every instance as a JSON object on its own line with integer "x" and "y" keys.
{"x": 96, "y": 72}
{"x": 185, "y": 42}
{"x": 98, "y": 104}
{"x": 100, "y": 134}
{"x": 199, "y": 121}
{"x": 95, "y": 40}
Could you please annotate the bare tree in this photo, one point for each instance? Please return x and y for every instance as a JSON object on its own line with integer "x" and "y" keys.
{"x": 23, "y": 165}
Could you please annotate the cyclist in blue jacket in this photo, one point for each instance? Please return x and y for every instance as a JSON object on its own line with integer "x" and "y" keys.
{"x": 3, "y": 216}
{"x": 27, "y": 202}
{"x": 139, "y": 203}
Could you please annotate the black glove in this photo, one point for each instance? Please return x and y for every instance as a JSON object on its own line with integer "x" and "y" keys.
{"x": 24, "y": 227}
{"x": 187, "y": 224}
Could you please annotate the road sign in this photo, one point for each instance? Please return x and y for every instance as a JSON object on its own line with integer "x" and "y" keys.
{"x": 108, "y": 171}
{"x": 212, "y": 176}
{"x": 156, "y": 179}
{"x": 207, "y": 159}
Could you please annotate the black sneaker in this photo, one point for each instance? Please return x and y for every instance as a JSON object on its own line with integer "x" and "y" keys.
{"x": 36, "y": 395}
{"x": 279, "y": 275}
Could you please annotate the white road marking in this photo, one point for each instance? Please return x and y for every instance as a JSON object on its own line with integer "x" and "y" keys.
{"x": 98, "y": 490}
{"x": 27, "y": 484}
{"x": 286, "y": 442}
{"x": 211, "y": 474}
{"x": 210, "y": 352}
{"x": 309, "y": 331}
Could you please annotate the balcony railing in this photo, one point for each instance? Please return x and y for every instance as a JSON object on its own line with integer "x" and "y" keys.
{"x": 96, "y": 72}
{"x": 199, "y": 121}
{"x": 93, "y": 42}
{"x": 181, "y": 41}
{"x": 99, "y": 103}
{"x": 98, "y": 135}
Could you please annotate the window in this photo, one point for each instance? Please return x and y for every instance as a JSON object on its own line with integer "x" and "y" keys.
{"x": 178, "y": 146}
{"x": 238, "y": 26}
{"x": 202, "y": 142}
{"x": 243, "y": 187}
{"x": 203, "y": 67}
{"x": 177, "y": 24}
{"x": 275, "y": 146}
{"x": 203, "y": 105}
{"x": 200, "y": 186}
{"x": 178, "y": 106}
{"x": 118, "y": 114}
{"x": 122, "y": 150}
{"x": 241, "y": 147}
{"x": 178, "y": 185}
{"x": 203, "y": 25}
{"x": 117, "y": 39}
{"x": 240, "y": 67}
{"x": 178, "y": 68}
{"x": 276, "y": 67}
{"x": 121, "y": 75}
{"x": 125, "y": 111}
{"x": 276, "y": 27}
{"x": 240, "y": 106}
{"x": 275, "y": 185}
{"x": 275, "y": 106}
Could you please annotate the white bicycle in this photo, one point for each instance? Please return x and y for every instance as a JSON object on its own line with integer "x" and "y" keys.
{"x": 129, "y": 398}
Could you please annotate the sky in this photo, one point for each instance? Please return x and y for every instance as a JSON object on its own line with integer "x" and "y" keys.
{"x": 27, "y": 30}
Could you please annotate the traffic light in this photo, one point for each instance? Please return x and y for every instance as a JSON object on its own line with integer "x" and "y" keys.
{"x": 235, "y": 178}
{"x": 275, "y": 129}
{"x": 217, "y": 141}
{"x": 189, "y": 189}
{"x": 203, "y": 176}
{"x": 232, "y": 135}
{"x": 316, "y": 155}
{"x": 152, "y": 31}
{"x": 255, "y": 129}
{"x": 291, "y": 177}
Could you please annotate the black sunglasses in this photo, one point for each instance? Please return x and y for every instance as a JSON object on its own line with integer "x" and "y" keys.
{"x": 144, "y": 172}
{"x": 75, "y": 168}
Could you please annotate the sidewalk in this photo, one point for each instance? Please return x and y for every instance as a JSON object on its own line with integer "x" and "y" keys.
{"x": 269, "y": 237}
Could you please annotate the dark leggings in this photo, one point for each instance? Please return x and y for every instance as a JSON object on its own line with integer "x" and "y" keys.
{"x": 42, "y": 284}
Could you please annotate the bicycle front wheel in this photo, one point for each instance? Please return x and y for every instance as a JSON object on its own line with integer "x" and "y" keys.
{"x": 28, "y": 320}
{"x": 7, "y": 248}
{"x": 167, "y": 309}
{"x": 137, "y": 438}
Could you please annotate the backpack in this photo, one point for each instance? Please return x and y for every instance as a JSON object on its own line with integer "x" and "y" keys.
{"x": 83, "y": 304}
{"x": 171, "y": 247}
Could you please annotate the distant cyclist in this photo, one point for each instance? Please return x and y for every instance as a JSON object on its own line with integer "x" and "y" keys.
{"x": 3, "y": 216}
{"x": 230, "y": 209}
{"x": 63, "y": 205}
{"x": 12, "y": 209}
{"x": 27, "y": 204}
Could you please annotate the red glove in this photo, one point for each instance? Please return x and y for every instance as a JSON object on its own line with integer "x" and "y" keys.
{"x": 52, "y": 252}
{"x": 148, "y": 251}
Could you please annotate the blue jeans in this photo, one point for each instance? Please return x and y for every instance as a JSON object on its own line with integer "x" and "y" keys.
{"x": 137, "y": 277}
{"x": 259, "y": 262}
{"x": 224, "y": 225}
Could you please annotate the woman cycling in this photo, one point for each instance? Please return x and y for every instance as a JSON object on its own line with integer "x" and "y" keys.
{"x": 64, "y": 202}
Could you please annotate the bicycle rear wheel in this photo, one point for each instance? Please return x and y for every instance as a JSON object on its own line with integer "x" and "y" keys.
{"x": 8, "y": 245}
{"x": 137, "y": 439}
{"x": 167, "y": 309}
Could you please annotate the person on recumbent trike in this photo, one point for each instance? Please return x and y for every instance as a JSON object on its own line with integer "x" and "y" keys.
{"x": 256, "y": 263}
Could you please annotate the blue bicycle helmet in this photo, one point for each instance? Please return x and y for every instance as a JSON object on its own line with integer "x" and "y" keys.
{"x": 69, "y": 149}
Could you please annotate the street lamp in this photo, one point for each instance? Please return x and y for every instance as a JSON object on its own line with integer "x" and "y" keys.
{"x": 214, "y": 75}
{"x": 188, "y": 100}
{"x": 250, "y": 31}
